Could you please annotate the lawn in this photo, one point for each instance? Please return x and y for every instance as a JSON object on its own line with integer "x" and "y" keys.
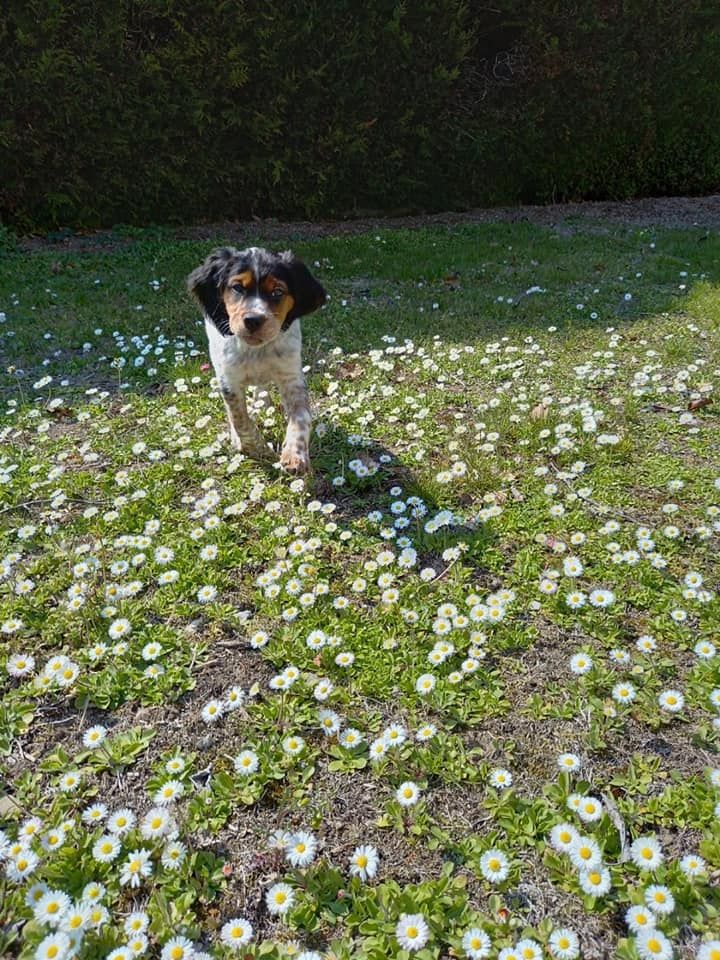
{"x": 455, "y": 694}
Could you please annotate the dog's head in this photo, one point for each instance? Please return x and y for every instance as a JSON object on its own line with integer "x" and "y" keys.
{"x": 254, "y": 294}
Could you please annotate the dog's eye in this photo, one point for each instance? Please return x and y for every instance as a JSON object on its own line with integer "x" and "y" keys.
{"x": 237, "y": 288}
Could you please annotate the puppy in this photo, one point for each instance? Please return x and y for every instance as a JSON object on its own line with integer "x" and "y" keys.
{"x": 252, "y": 300}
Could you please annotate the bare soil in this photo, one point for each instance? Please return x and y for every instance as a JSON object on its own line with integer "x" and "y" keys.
{"x": 679, "y": 212}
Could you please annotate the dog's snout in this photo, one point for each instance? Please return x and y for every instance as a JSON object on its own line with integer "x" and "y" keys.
{"x": 253, "y": 321}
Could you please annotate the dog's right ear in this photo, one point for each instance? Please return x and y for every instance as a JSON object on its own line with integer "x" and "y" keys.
{"x": 206, "y": 282}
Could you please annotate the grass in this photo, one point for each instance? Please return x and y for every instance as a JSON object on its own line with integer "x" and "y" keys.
{"x": 477, "y": 644}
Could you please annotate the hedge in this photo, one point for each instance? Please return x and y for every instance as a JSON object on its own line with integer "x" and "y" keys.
{"x": 138, "y": 111}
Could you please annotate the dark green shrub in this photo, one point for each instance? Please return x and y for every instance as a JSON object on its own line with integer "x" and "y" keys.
{"x": 142, "y": 111}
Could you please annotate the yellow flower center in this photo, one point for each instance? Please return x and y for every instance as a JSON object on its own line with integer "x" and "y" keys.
{"x": 280, "y": 896}
{"x": 156, "y": 823}
{"x": 237, "y": 932}
{"x": 53, "y": 907}
{"x": 654, "y": 946}
{"x": 76, "y": 921}
{"x": 106, "y": 847}
{"x": 475, "y": 943}
{"x": 563, "y": 943}
{"x": 412, "y": 932}
{"x": 595, "y": 878}
{"x": 177, "y": 953}
{"x": 494, "y": 864}
{"x": 300, "y": 847}
{"x": 134, "y": 867}
{"x": 53, "y": 951}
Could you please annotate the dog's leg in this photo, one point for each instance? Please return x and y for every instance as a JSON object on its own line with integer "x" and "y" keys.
{"x": 295, "y": 454}
{"x": 244, "y": 433}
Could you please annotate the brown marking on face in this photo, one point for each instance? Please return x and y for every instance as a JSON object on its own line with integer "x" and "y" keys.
{"x": 244, "y": 279}
{"x": 274, "y": 309}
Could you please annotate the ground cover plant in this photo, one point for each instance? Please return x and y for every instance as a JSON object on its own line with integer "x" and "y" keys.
{"x": 457, "y": 693}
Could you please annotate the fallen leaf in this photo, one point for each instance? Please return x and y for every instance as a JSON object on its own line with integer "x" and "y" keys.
{"x": 699, "y": 404}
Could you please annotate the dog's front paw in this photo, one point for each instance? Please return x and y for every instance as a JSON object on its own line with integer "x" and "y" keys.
{"x": 294, "y": 460}
{"x": 254, "y": 447}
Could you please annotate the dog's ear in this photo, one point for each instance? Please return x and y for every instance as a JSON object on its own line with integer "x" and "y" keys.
{"x": 307, "y": 293}
{"x": 205, "y": 283}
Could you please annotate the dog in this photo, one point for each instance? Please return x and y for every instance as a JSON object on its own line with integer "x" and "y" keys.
{"x": 252, "y": 301}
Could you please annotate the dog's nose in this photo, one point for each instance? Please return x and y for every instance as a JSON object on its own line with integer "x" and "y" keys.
{"x": 253, "y": 322}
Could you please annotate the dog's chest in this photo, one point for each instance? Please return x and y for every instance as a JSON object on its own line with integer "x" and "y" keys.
{"x": 239, "y": 365}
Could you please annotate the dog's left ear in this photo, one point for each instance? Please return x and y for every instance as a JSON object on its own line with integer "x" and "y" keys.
{"x": 307, "y": 293}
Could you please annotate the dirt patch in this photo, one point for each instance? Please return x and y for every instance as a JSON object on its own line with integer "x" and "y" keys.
{"x": 680, "y": 212}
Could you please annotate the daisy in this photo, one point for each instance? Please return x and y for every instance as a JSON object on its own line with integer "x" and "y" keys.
{"x": 22, "y": 865}
{"x": 645, "y": 852}
{"x": 407, "y": 794}
{"x": 350, "y": 738}
{"x": 564, "y": 944}
{"x": 623, "y": 693}
{"x": 563, "y": 837}
{"x": 596, "y": 882}
{"x": 106, "y": 848}
{"x": 121, "y": 821}
{"x": 94, "y": 736}
{"x": 692, "y": 866}
{"x": 173, "y": 855}
{"x": 426, "y": 732}
{"x": 580, "y": 664}
{"x": 156, "y": 823}
{"x": 575, "y": 599}
{"x": 569, "y": 762}
{"x": 476, "y": 943}
{"x": 425, "y": 684}
{"x": 246, "y": 762}
{"x": 329, "y": 722}
{"x": 138, "y": 945}
{"x": 137, "y": 866}
{"x": 51, "y": 907}
{"x": 279, "y": 898}
{"x": 93, "y": 892}
{"x": 136, "y": 922}
{"x": 364, "y": 862}
{"x": 500, "y": 778}
{"x": 585, "y": 854}
{"x": 528, "y": 949}
{"x": 395, "y": 735}
{"x": 301, "y": 849}
{"x": 179, "y": 948}
{"x": 639, "y": 918}
{"x": 236, "y": 933}
{"x": 710, "y": 950}
{"x": 19, "y": 664}
{"x": 56, "y": 946}
{"x": 293, "y": 745}
{"x": 494, "y": 866}
{"x": 412, "y": 931}
{"x": 653, "y": 945}
{"x": 660, "y": 899}
{"x": 212, "y": 711}
{"x": 234, "y": 699}
{"x": 76, "y": 919}
{"x": 672, "y": 701}
{"x": 590, "y": 810}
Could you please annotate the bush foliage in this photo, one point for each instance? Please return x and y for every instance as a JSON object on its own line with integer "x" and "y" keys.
{"x": 168, "y": 110}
